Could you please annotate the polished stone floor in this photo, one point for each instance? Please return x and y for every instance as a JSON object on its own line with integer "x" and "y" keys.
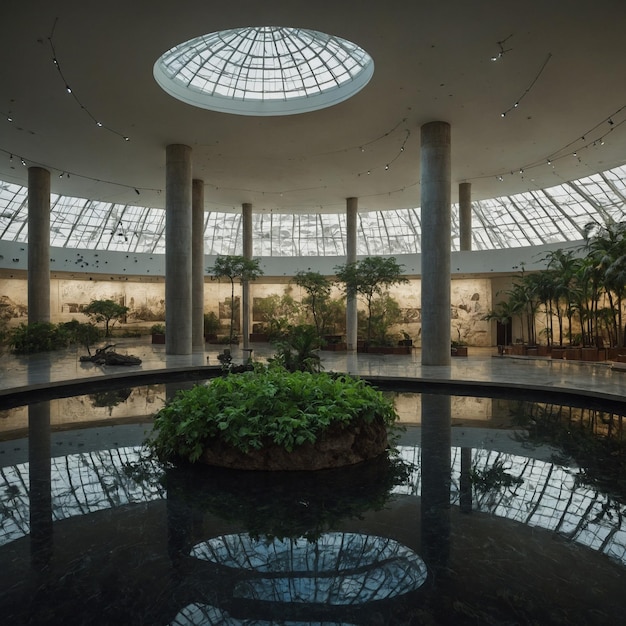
{"x": 482, "y": 365}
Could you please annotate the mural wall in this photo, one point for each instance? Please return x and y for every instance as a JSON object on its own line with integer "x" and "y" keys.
{"x": 470, "y": 298}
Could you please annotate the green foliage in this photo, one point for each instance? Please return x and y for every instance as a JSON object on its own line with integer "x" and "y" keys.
{"x": 370, "y": 279}
{"x": 317, "y": 288}
{"x": 157, "y": 329}
{"x": 278, "y": 313}
{"x": 107, "y": 311}
{"x": 267, "y": 405}
{"x": 385, "y": 313}
{"x": 84, "y": 334}
{"x": 38, "y": 337}
{"x": 235, "y": 267}
{"x": 298, "y": 350}
{"x": 212, "y": 323}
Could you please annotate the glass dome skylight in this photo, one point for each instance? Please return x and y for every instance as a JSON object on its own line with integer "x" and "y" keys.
{"x": 265, "y": 70}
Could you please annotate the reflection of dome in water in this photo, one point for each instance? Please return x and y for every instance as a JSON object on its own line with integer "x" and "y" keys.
{"x": 337, "y": 569}
{"x": 207, "y": 615}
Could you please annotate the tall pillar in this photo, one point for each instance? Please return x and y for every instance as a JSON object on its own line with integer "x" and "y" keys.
{"x": 465, "y": 215}
{"x": 246, "y": 213}
{"x": 352, "y": 207}
{"x": 197, "y": 265}
{"x": 178, "y": 249}
{"x": 436, "y": 239}
{"x": 38, "y": 245}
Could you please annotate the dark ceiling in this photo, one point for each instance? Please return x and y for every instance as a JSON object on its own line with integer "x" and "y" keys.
{"x": 564, "y": 63}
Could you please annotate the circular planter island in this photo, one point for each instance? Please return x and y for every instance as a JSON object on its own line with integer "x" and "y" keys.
{"x": 276, "y": 420}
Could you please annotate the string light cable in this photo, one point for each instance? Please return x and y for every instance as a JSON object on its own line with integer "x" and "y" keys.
{"x": 527, "y": 91}
{"x": 55, "y": 59}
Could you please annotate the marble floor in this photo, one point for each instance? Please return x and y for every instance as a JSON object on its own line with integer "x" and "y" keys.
{"x": 483, "y": 365}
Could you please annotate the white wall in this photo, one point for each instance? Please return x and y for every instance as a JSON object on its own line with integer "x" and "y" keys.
{"x": 14, "y": 256}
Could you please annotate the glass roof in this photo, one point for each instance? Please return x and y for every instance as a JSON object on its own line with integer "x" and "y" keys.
{"x": 265, "y": 70}
{"x": 553, "y": 215}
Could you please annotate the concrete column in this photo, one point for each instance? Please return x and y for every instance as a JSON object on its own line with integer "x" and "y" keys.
{"x": 246, "y": 211}
{"x": 38, "y": 245}
{"x": 465, "y": 215}
{"x": 436, "y": 239}
{"x": 352, "y": 208}
{"x": 178, "y": 250}
{"x": 197, "y": 265}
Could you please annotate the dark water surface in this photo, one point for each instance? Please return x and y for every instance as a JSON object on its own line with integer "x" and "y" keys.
{"x": 491, "y": 513}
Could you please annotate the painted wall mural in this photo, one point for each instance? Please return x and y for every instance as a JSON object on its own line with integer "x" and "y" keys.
{"x": 470, "y": 301}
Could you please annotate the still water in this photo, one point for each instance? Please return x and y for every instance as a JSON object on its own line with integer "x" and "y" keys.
{"x": 491, "y": 512}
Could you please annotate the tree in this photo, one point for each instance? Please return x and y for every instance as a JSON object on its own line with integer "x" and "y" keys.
{"x": 606, "y": 245}
{"x": 371, "y": 279}
{"x": 235, "y": 267}
{"x": 502, "y": 312}
{"x": 107, "y": 311}
{"x": 317, "y": 288}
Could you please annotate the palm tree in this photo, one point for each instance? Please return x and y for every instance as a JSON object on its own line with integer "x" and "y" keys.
{"x": 562, "y": 267}
{"x": 502, "y": 313}
{"x": 606, "y": 246}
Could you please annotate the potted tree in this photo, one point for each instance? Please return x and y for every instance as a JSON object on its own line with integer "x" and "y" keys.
{"x": 235, "y": 267}
{"x": 370, "y": 278}
{"x": 158, "y": 333}
{"x": 212, "y": 326}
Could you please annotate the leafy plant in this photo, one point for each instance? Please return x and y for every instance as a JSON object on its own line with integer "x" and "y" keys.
{"x": 82, "y": 333}
{"x": 299, "y": 349}
{"x": 268, "y": 405}
{"x": 38, "y": 337}
{"x": 371, "y": 279}
{"x": 317, "y": 288}
{"x": 235, "y": 267}
{"x": 107, "y": 311}
{"x": 212, "y": 323}
{"x": 157, "y": 329}
{"x": 278, "y": 313}
{"x": 385, "y": 312}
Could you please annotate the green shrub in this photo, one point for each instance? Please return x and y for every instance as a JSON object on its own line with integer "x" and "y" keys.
{"x": 157, "y": 329}
{"x": 212, "y": 324}
{"x": 266, "y": 406}
{"x": 38, "y": 337}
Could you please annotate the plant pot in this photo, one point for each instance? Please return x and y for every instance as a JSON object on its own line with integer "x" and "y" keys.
{"x": 572, "y": 354}
{"x": 458, "y": 351}
{"x": 543, "y": 350}
{"x": 342, "y": 346}
{"x": 160, "y": 339}
{"x": 612, "y": 353}
{"x": 259, "y": 337}
{"x": 385, "y": 349}
{"x": 589, "y": 353}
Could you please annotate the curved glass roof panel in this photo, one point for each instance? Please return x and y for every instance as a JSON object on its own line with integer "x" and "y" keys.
{"x": 267, "y": 70}
{"x": 553, "y": 215}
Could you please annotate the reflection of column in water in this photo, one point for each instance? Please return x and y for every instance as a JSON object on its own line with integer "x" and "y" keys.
{"x": 171, "y": 389}
{"x": 435, "y": 464}
{"x": 465, "y": 483}
{"x": 39, "y": 475}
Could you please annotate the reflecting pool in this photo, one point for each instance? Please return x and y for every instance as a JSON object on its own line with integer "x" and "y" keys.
{"x": 491, "y": 512}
